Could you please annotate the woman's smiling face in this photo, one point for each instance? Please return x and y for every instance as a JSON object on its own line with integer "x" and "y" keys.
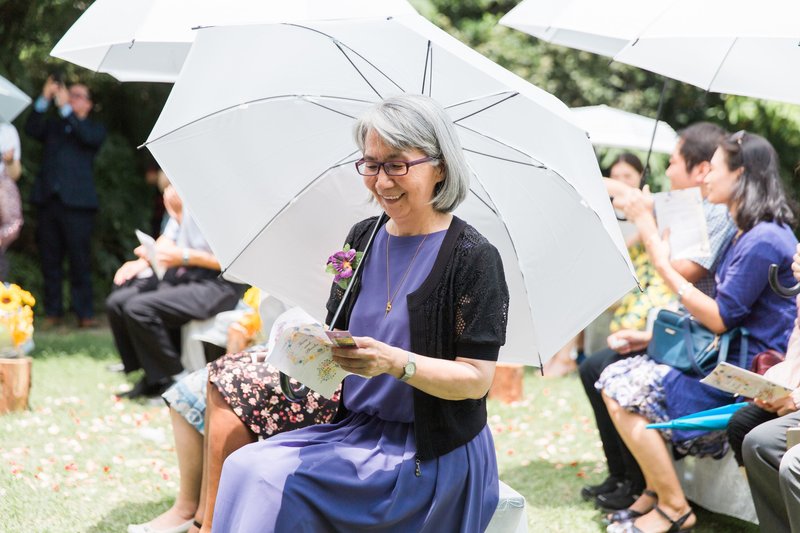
{"x": 720, "y": 180}
{"x": 404, "y": 198}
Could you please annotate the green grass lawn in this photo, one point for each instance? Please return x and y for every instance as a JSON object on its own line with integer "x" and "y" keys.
{"x": 80, "y": 460}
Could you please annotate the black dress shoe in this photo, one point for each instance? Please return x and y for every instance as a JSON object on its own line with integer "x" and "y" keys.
{"x": 610, "y": 484}
{"x": 143, "y": 389}
{"x": 622, "y": 498}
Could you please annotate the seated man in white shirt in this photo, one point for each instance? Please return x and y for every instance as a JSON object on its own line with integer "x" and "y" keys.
{"x": 146, "y": 313}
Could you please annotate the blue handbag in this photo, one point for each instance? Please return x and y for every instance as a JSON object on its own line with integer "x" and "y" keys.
{"x": 683, "y": 343}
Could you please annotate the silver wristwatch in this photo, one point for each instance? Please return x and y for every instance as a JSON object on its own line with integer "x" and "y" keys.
{"x": 410, "y": 368}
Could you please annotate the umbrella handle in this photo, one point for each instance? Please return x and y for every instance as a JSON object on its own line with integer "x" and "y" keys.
{"x": 787, "y": 292}
{"x": 292, "y": 393}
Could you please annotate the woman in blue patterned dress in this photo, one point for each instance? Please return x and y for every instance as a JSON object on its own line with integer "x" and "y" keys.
{"x": 410, "y": 449}
{"x": 744, "y": 176}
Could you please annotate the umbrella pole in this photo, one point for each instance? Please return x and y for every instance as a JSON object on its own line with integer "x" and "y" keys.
{"x": 646, "y": 173}
{"x": 298, "y": 394}
{"x": 375, "y": 229}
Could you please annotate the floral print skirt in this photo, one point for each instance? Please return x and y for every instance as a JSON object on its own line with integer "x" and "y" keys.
{"x": 637, "y": 384}
{"x": 252, "y": 389}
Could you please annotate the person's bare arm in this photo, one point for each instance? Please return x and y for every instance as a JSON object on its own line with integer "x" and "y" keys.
{"x": 13, "y": 167}
{"x": 704, "y": 308}
{"x": 460, "y": 379}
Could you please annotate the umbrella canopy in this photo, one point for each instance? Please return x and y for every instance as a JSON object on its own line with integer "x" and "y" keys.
{"x": 708, "y": 420}
{"x": 12, "y": 100}
{"x": 599, "y": 27}
{"x": 730, "y": 46}
{"x": 148, "y": 40}
{"x": 612, "y": 127}
{"x": 263, "y": 153}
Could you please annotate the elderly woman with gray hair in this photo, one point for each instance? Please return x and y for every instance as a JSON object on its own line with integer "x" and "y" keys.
{"x": 409, "y": 449}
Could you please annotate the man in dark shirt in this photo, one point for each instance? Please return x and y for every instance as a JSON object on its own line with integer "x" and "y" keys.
{"x": 65, "y": 195}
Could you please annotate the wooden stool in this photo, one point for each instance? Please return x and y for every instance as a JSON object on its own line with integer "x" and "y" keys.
{"x": 507, "y": 384}
{"x": 15, "y": 383}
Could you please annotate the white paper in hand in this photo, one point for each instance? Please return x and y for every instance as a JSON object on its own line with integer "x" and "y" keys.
{"x": 731, "y": 378}
{"x": 682, "y": 213}
{"x": 299, "y": 347}
{"x": 150, "y": 245}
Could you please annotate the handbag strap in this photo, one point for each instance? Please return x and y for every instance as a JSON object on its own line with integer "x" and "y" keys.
{"x": 725, "y": 342}
{"x": 689, "y": 345}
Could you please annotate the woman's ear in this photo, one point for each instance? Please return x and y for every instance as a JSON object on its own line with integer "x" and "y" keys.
{"x": 440, "y": 172}
{"x": 700, "y": 171}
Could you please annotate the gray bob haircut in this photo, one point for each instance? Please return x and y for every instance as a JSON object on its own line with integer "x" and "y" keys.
{"x": 416, "y": 122}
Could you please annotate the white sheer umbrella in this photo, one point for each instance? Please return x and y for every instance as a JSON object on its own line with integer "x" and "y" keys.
{"x": 599, "y": 27}
{"x": 147, "y": 40}
{"x": 263, "y": 152}
{"x": 731, "y": 46}
{"x": 12, "y": 100}
{"x": 608, "y": 126}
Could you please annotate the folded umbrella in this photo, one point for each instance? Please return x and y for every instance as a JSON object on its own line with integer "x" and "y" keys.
{"x": 708, "y": 420}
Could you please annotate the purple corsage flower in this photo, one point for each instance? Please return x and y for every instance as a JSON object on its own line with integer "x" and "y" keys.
{"x": 342, "y": 264}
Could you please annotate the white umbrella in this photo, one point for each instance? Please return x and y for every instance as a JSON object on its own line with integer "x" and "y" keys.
{"x": 12, "y": 100}
{"x": 731, "y": 46}
{"x": 599, "y": 27}
{"x": 616, "y": 128}
{"x": 147, "y": 40}
{"x": 263, "y": 152}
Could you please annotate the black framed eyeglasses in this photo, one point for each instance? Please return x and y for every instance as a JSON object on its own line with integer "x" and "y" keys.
{"x": 391, "y": 168}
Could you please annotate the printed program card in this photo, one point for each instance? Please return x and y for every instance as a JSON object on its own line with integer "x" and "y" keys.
{"x": 682, "y": 213}
{"x": 300, "y": 348}
{"x": 731, "y": 378}
{"x": 150, "y": 245}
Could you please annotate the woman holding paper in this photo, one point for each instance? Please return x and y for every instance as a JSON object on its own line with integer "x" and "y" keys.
{"x": 410, "y": 449}
{"x": 637, "y": 391}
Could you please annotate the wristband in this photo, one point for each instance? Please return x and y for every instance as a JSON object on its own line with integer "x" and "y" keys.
{"x": 686, "y": 287}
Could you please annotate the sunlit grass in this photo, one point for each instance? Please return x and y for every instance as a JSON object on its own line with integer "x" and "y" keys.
{"x": 81, "y": 461}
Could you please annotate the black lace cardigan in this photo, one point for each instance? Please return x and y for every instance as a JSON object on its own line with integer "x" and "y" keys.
{"x": 460, "y": 310}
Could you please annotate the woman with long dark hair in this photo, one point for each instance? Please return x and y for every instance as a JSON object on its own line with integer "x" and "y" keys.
{"x": 637, "y": 391}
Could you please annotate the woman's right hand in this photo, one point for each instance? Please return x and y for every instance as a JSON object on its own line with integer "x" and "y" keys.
{"x": 627, "y": 341}
{"x": 796, "y": 263}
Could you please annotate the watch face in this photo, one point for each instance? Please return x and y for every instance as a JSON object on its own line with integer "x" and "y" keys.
{"x": 410, "y": 368}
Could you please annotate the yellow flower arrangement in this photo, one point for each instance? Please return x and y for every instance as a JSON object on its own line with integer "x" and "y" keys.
{"x": 251, "y": 321}
{"x": 16, "y": 318}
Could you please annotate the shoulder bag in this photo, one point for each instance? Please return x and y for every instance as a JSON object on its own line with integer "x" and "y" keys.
{"x": 683, "y": 343}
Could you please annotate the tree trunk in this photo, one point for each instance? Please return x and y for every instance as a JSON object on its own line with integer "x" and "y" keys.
{"x": 15, "y": 384}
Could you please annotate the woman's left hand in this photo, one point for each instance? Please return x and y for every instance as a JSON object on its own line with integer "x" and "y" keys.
{"x": 371, "y": 358}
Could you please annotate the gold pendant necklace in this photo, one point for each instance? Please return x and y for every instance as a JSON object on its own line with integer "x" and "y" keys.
{"x": 389, "y": 296}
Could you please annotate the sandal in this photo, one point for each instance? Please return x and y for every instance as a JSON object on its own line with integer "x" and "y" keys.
{"x": 626, "y": 515}
{"x": 675, "y": 525}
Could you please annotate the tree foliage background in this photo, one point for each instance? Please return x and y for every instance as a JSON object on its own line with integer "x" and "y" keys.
{"x": 30, "y": 29}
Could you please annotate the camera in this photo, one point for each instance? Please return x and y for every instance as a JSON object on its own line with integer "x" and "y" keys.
{"x": 57, "y": 76}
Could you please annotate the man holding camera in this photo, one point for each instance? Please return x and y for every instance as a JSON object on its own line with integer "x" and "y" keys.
{"x": 65, "y": 195}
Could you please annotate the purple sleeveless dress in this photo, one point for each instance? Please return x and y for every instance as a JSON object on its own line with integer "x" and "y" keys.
{"x": 360, "y": 474}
